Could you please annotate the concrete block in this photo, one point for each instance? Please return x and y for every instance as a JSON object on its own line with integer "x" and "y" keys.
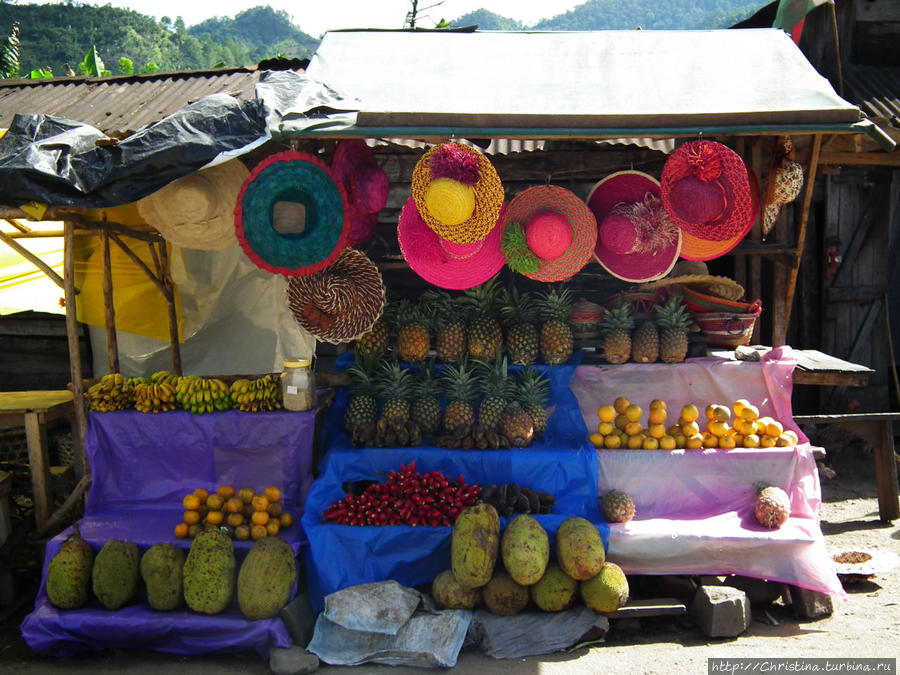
{"x": 809, "y": 604}
{"x": 299, "y": 619}
{"x": 721, "y": 611}
{"x": 759, "y": 591}
{"x": 292, "y": 661}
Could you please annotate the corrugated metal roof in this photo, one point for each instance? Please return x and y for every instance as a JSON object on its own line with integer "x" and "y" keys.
{"x": 119, "y": 105}
{"x": 875, "y": 89}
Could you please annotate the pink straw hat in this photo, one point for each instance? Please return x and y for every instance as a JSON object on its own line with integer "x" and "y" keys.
{"x": 706, "y": 190}
{"x": 548, "y": 233}
{"x": 444, "y": 263}
{"x": 365, "y": 183}
{"x": 636, "y": 241}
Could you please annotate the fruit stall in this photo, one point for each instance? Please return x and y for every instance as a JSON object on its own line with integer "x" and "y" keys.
{"x": 511, "y": 353}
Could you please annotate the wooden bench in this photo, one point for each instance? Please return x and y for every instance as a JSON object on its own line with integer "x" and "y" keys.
{"x": 877, "y": 430}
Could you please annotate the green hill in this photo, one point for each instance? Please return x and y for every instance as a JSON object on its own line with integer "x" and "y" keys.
{"x": 262, "y": 31}
{"x": 659, "y": 15}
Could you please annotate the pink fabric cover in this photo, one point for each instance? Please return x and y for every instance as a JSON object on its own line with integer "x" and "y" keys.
{"x": 694, "y": 508}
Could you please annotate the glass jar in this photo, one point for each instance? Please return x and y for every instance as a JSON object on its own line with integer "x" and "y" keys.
{"x": 298, "y": 385}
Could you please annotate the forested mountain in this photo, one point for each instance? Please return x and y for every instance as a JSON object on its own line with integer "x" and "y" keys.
{"x": 262, "y": 31}
{"x": 486, "y": 20}
{"x": 659, "y": 15}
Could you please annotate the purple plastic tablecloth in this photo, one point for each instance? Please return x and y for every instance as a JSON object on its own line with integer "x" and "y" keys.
{"x": 142, "y": 465}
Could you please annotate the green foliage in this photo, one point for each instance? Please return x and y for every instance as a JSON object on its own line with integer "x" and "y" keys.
{"x": 259, "y": 32}
{"x": 486, "y": 20}
{"x": 9, "y": 53}
{"x": 660, "y": 15}
{"x": 126, "y": 66}
{"x": 40, "y": 73}
{"x": 149, "y": 67}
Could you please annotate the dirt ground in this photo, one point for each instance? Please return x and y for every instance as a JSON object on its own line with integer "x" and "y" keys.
{"x": 866, "y": 625}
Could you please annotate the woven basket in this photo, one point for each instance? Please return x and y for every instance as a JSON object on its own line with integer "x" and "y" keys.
{"x": 698, "y": 303}
{"x": 13, "y": 446}
{"x": 642, "y": 302}
{"x": 723, "y": 329}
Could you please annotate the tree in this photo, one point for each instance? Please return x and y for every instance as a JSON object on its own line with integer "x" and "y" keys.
{"x": 9, "y": 54}
{"x": 126, "y": 66}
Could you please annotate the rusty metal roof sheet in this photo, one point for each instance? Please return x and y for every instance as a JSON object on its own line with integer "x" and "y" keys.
{"x": 119, "y": 105}
{"x": 875, "y": 89}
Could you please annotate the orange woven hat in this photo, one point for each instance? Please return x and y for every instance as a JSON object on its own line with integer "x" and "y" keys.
{"x": 457, "y": 192}
{"x": 548, "y": 233}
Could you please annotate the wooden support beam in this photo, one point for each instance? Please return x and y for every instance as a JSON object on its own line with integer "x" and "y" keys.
{"x": 74, "y": 348}
{"x": 140, "y": 263}
{"x": 163, "y": 262}
{"x": 32, "y": 258}
{"x": 112, "y": 340}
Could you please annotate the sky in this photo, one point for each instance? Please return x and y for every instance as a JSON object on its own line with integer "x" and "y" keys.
{"x": 317, "y": 16}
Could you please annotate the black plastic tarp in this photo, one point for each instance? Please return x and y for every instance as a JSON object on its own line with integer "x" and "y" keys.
{"x": 59, "y": 162}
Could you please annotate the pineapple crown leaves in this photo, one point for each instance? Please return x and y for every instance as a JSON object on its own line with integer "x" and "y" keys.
{"x": 533, "y": 387}
{"x": 555, "y": 303}
{"x": 461, "y": 382}
{"x": 483, "y": 298}
{"x": 517, "y": 307}
{"x": 495, "y": 380}
{"x": 673, "y": 314}
{"x": 519, "y": 257}
{"x": 760, "y": 485}
{"x": 406, "y": 311}
{"x": 361, "y": 376}
{"x": 427, "y": 382}
{"x": 620, "y": 317}
{"x": 444, "y": 308}
{"x": 394, "y": 381}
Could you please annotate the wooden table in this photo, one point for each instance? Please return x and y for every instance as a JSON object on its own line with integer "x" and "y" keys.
{"x": 33, "y": 409}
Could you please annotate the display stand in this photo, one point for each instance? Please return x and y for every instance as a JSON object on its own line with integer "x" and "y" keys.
{"x": 143, "y": 465}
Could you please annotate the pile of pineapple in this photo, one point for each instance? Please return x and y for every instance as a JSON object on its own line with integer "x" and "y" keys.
{"x": 621, "y": 426}
{"x": 663, "y": 337}
{"x": 473, "y": 404}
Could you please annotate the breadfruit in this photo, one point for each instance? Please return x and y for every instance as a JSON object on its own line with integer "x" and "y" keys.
{"x": 474, "y": 544}
{"x": 116, "y": 573}
{"x": 69, "y": 573}
{"x": 162, "y": 568}
{"x": 525, "y": 548}
{"x": 555, "y": 591}
{"x": 579, "y": 548}
{"x": 209, "y": 573}
{"x": 607, "y": 591}
{"x": 503, "y": 596}
{"x": 266, "y": 578}
{"x": 448, "y": 594}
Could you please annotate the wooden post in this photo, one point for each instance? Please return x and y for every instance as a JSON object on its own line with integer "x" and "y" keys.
{"x": 754, "y": 287}
{"x": 74, "y": 348}
{"x": 112, "y": 341}
{"x": 170, "y": 303}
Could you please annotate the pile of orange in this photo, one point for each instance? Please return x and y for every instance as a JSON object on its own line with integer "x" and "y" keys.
{"x": 246, "y": 513}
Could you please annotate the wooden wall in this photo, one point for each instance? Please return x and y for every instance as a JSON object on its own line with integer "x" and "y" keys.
{"x": 34, "y": 352}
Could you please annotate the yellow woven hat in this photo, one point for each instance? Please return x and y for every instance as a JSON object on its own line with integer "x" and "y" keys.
{"x": 457, "y": 192}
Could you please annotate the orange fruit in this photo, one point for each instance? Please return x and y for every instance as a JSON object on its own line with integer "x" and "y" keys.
{"x": 194, "y": 530}
{"x": 650, "y": 443}
{"x": 235, "y": 519}
{"x": 690, "y": 413}
{"x": 694, "y": 442}
{"x": 202, "y": 493}
{"x": 260, "y": 517}
{"x": 784, "y": 441}
{"x": 246, "y": 494}
{"x": 790, "y": 433}
{"x": 633, "y": 428}
{"x": 272, "y": 527}
{"x": 727, "y": 442}
{"x": 191, "y": 502}
{"x": 620, "y": 404}
{"x": 690, "y": 429}
{"x": 613, "y": 442}
{"x": 656, "y": 416}
{"x": 215, "y": 517}
{"x": 774, "y": 429}
{"x": 260, "y": 503}
{"x": 191, "y": 517}
{"x": 259, "y": 532}
{"x": 657, "y": 403}
{"x": 680, "y": 440}
{"x": 751, "y": 440}
{"x": 620, "y": 421}
{"x": 635, "y": 442}
{"x": 225, "y": 491}
{"x": 766, "y": 441}
{"x": 667, "y": 442}
{"x": 181, "y": 530}
{"x": 717, "y": 428}
{"x": 739, "y": 405}
{"x": 750, "y": 412}
{"x": 242, "y": 532}
{"x": 215, "y": 502}
{"x": 710, "y": 412}
{"x": 285, "y": 519}
{"x": 710, "y": 440}
{"x": 633, "y": 412}
{"x": 234, "y": 505}
{"x": 596, "y": 440}
{"x": 274, "y": 509}
{"x": 606, "y": 413}
{"x": 272, "y": 493}
{"x": 605, "y": 428}
{"x": 657, "y": 431}
{"x": 674, "y": 430}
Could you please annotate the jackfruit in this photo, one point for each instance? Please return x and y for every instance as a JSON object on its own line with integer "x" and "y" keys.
{"x": 503, "y": 596}
{"x": 474, "y": 544}
{"x": 447, "y": 593}
{"x": 579, "y": 548}
{"x": 209, "y": 573}
{"x": 607, "y": 591}
{"x": 525, "y": 548}
{"x": 266, "y": 578}
{"x": 116, "y": 573}
{"x": 555, "y": 591}
{"x": 162, "y": 568}
{"x": 69, "y": 573}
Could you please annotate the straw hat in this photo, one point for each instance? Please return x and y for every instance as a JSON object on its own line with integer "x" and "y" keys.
{"x": 695, "y": 273}
{"x": 365, "y": 183}
{"x": 706, "y": 190}
{"x": 291, "y": 217}
{"x": 340, "y": 302}
{"x": 636, "y": 240}
{"x": 196, "y": 211}
{"x": 443, "y": 263}
{"x": 458, "y": 192}
{"x": 548, "y": 233}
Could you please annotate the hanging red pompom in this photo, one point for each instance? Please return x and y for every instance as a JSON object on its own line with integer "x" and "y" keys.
{"x": 703, "y": 160}
{"x": 455, "y": 161}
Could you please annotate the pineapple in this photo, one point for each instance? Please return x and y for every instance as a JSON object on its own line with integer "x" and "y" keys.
{"x": 556, "y": 334}
{"x": 426, "y": 408}
{"x": 394, "y": 384}
{"x": 517, "y": 425}
{"x": 374, "y": 341}
{"x": 460, "y": 386}
{"x": 673, "y": 321}
{"x": 617, "y": 326}
{"x": 362, "y": 408}
{"x": 533, "y": 390}
{"x": 413, "y": 337}
{"x": 498, "y": 390}
{"x": 617, "y": 506}
{"x": 484, "y": 335}
{"x": 518, "y": 313}
{"x": 773, "y": 505}
{"x": 645, "y": 343}
{"x": 450, "y": 339}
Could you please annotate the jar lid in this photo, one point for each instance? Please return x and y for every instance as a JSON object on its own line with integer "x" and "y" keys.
{"x": 297, "y": 363}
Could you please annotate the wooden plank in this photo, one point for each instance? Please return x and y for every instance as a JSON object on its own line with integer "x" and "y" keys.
{"x": 38, "y": 464}
{"x": 636, "y": 609}
{"x": 813, "y": 359}
{"x": 109, "y": 310}
{"x": 848, "y": 418}
{"x": 21, "y": 402}
{"x": 855, "y": 293}
{"x": 74, "y": 349}
{"x": 163, "y": 263}
{"x": 833, "y": 379}
{"x": 886, "y": 474}
{"x": 808, "y": 188}
{"x": 32, "y": 258}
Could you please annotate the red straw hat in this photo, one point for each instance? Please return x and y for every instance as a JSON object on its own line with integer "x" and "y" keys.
{"x": 706, "y": 190}
{"x": 441, "y": 262}
{"x": 695, "y": 248}
{"x": 366, "y": 184}
{"x": 548, "y": 233}
{"x": 636, "y": 241}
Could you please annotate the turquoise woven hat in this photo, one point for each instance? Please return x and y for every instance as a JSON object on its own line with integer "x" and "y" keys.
{"x": 291, "y": 216}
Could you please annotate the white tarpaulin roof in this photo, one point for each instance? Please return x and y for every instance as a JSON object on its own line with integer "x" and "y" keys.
{"x": 641, "y": 79}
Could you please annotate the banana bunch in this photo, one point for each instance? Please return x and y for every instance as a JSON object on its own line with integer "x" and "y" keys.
{"x": 112, "y": 392}
{"x": 154, "y": 397}
{"x": 256, "y": 395}
{"x": 165, "y": 376}
{"x": 201, "y": 395}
